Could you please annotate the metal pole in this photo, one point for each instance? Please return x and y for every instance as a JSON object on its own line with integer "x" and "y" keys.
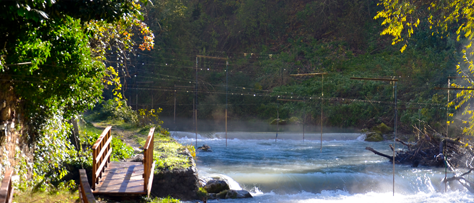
{"x": 195, "y": 100}
{"x": 278, "y": 121}
{"x": 174, "y": 112}
{"x": 136, "y": 101}
{"x": 395, "y": 134}
{"x": 152, "y": 101}
{"x": 322, "y": 100}
{"x": 226, "y": 82}
{"x": 447, "y": 112}
{"x": 304, "y": 116}
{"x": 447, "y": 135}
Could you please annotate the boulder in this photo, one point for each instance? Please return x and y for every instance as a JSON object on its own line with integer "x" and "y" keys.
{"x": 216, "y": 186}
{"x": 382, "y": 129}
{"x": 280, "y": 122}
{"x": 205, "y": 148}
{"x": 234, "y": 194}
{"x": 222, "y": 194}
{"x": 373, "y": 137}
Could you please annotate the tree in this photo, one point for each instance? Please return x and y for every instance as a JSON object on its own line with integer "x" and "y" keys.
{"x": 56, "y": 58}
{"x": 444, "y": 18}
{"x": 54, "y": 53}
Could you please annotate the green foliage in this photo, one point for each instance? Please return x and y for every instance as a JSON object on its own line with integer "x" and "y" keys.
{"x": 148, "y": 117}
{"x": 90, "y": 134}
{"x": 52, "y": 153}
{"x": 165, "y": 200}
{"x": 169, "y": 154}
{"x": 202, "y": 193}
{"x": 114, "y": 110}
{"x": 405, "y": 16}
{"x": 265, "y": 44}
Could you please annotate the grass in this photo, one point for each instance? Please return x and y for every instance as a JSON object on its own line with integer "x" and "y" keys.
{"x": 167, "y": 152}
{"x": 46, "y": 197}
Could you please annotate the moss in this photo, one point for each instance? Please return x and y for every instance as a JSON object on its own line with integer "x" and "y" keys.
{"x": 201, "y": 193}
{"x": 222, "y": 194}
{"x": 382, "y": 129}
{"x": 374, "y": 137}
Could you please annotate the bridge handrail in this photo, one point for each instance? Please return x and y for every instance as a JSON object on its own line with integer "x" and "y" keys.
{"x": 6, "y": 190}
{"x": 85, "y": 192}
{"x": 100, "y": 162}
{"x": 148, "y": 163}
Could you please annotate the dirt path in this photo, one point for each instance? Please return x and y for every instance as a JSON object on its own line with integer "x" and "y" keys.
{"x": 127, "y": 136}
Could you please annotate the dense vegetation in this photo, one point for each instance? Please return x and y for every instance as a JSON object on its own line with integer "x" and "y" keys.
{"x": 266, "y": 41}
{"x": 55, "y": 62}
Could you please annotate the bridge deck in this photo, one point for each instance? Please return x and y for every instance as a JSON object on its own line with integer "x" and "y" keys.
{"x": 122, "y": 178}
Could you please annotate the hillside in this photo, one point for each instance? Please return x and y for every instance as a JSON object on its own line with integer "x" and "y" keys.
{"x": 267, "y": 41}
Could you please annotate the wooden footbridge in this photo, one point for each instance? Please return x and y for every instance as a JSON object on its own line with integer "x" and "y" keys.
{"x": 118, "y": 178}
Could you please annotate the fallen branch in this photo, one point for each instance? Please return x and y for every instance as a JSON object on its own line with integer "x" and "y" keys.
{"x": 378, "y": 153}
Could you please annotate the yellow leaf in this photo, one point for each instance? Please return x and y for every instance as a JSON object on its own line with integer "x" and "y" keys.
{"x": 403, "y": 48}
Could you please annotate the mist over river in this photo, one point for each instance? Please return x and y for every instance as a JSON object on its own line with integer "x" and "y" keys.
{"x": 290, "y": 170}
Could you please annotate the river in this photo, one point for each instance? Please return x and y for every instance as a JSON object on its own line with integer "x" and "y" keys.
{"x": 292, "y": 170}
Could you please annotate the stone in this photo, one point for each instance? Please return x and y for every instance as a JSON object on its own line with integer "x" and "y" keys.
{"x": 205, "y": 148}
{"x": 203, "y": 181}
{"x": 237, "y": 194}
{"x": 373, "y": 137}
{"x": 216, "y": 186}
{"x": 212, "y": 196}
{"x": 382, "y": 129}
{"x": 222, "y": 194}
{"x": 178, "y": 183}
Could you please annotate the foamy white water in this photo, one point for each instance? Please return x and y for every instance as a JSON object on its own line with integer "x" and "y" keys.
{"x": 290, "y": 170}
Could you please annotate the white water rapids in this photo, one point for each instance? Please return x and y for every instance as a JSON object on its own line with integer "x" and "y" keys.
{"x": 290, "y": 170}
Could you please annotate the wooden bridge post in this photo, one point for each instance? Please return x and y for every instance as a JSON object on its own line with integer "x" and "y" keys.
{"x": 6, "y": 190}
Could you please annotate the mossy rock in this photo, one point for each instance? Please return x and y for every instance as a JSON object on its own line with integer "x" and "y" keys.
{"x": 216, "y": 186}
{"x": 222, "y": 194}
{"x": 382, "y": 129}
{"x": 294, "y": 120}
{"x": 274, "y": 122}
{"x": 374, "y": 137}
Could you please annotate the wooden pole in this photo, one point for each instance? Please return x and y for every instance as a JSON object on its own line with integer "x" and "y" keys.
{"x": 278, "y": 121}
{"x": 226, "y": 82}
{"x": 174, "y": 112}
{"x": 395, "y": 134}
{"x": 304, "y": 118}
{"x": 195, "y": 100}
{"x": 395, "y": 122}
{"x": 322, "y": 100}
{"x": 447, "y": 135}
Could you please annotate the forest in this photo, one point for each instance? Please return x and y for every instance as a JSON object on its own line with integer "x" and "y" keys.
{"x": 268, "y": 41}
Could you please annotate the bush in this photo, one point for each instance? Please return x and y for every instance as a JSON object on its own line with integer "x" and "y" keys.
{"x": 115, "y": 110}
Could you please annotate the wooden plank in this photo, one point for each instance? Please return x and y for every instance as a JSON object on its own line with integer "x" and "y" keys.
{"x": 211, "y": 57}
{"x": 103, "y": 149}
{"x": 122, "y": 178}
{"x": 148, "y": 157}
{"x": 98, "y": 148}
{"x": 376, "y": 79}
{"x": 99, "y": 140}
{"x": 150, "y": 179}
{"x": 6, "y": 190}
{"x": 99, "y": 170}
{"x": 307, "y": 74}
{"x": 85, "y": 189}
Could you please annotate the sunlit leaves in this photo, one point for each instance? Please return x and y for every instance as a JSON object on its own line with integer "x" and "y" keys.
{"x": 440, "y": 16}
